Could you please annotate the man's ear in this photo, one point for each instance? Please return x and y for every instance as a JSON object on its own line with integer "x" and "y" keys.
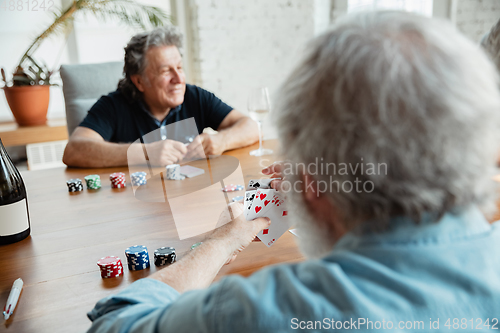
{"x": 138, "y": 82}
{"x": 311, "y": 194}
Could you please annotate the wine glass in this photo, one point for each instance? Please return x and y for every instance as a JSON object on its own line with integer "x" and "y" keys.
{"x": 258, "y": 108}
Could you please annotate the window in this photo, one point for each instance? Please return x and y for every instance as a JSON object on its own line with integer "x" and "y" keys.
{"x": 423, "y": 7}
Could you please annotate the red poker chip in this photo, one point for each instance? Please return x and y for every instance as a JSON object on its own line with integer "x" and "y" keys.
{"x": 108, "y": 261}
{"x": 110, "y": 267}
{"x": 117, "y": 174}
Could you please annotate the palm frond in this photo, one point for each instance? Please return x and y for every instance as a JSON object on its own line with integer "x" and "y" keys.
{"x": 128, "y": 12}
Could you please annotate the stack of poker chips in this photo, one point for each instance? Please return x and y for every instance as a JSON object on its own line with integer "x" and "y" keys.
{"x": 75, "y": 185}
{"x": 137, "y": 257}
{"x": 138, "y": 178}
{"x": 232, "y": 188}
{"x": 93, "y": 182}
{"x": 174, "y": 172}
{"x": 117, "y": 180}
{"x": 164, "y": 256}
{"x": 110, "y": 266}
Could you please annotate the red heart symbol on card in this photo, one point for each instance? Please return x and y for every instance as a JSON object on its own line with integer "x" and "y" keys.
{"x": 266, "y": 202}
{"x": 262, "y": 196}
{"x": 258, "y": 209}
{"x": 285, "y": 213}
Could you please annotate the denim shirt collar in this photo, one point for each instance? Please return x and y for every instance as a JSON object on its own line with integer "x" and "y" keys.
{"x": 452, "y": 226}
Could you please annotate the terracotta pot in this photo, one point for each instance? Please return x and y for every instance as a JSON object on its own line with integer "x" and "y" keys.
{"x": 29, "y": 104}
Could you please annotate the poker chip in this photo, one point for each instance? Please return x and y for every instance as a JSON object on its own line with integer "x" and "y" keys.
{"x": 137, "y": 257}
{"x": 174, "y": 172}
{"x": 74, "y": 185}
{"x": 93, "y": 182}
{"x": 232, "y": 188}
{"x": 238, "y": 198}
{"x": 138, "y": 178}
{"x": 195, "y": 245}
{"x": 164, "y": 256}
{"x": 110, "y": 267}
{"x": 117, "y": 180}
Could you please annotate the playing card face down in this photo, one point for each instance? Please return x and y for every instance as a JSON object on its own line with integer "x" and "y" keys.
{"x": 267, "y": 203}
{"x": 190, "y": 171}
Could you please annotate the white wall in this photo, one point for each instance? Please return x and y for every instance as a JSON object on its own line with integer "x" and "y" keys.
{"x": 91, "y": 41}
{"x": 240, "y": 44}
{"x": 233, "y": 44}
{"x": 476, "y": 17}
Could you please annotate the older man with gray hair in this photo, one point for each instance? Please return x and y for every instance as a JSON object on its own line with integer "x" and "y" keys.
{"x": 414, "y": 253}
{"x": 153, "y": 96}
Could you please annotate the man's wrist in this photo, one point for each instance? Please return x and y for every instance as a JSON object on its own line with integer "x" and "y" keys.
{"x": 220, "y": 246}
{"x": 135, "y": 154}
{"x": 223, "y": 140}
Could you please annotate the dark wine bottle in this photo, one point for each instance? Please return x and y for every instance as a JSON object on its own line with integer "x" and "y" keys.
{"x": 14, "y": 214}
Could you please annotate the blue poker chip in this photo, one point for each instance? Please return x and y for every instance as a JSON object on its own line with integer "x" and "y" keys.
{"x": 138, "y": 178}
{"x": 238, "y": 198}
{"x": 137, "y": 257}
{"x": 232, "y": 188}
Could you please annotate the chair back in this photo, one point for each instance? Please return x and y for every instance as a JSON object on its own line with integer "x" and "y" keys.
{"x": 84, "y": 84}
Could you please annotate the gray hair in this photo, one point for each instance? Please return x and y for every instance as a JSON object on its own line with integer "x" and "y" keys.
{"x": 400, "y": 89}
{"x": 491, "y": 44}
{"x": 135, "y": 54}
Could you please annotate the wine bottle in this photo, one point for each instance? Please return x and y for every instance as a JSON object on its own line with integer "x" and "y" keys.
{"x": 14, "y": 214}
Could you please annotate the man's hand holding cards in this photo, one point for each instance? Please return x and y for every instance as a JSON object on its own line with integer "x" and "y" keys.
{"x": 263, "y": 201}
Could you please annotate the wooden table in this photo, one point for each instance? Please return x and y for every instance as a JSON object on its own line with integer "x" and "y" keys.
{"x": 14, "y": 135}
{"x": 70, "y": 232}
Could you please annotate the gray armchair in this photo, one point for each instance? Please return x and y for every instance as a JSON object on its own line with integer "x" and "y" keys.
{"x": 84, "y": 84}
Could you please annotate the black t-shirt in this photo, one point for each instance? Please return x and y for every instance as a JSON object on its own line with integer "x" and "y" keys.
{"x": 119, "y": 120}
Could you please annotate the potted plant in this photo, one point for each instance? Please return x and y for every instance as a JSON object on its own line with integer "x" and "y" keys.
{"x": 28, "y": 92}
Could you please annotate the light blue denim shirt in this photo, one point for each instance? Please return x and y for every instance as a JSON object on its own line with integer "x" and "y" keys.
{"x": 407, "y": 278}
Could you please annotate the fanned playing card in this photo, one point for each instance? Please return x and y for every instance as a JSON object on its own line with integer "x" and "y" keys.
{"x": 261, "y": 203}
{"x": 255, "y": 184}
{"x": 279, "y": 220}
{"x": 247, "y": 204}
{"x": 267, "y": 203}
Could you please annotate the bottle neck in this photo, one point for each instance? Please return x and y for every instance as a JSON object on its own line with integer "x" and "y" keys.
{"x": 11, "y": 183}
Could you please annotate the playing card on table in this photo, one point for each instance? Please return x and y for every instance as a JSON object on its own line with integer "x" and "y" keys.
{"x": 190, "y": 171}
{"x": 255, "y": 184}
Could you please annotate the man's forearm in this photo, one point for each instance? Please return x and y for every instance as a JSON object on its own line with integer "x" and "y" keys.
{"x": 197, "y": 269}
{"x": 243, "y": 133}
{"x": 95, "y": 154}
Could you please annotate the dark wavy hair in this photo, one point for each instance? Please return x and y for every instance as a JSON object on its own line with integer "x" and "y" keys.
{"x": 135, "y": 55}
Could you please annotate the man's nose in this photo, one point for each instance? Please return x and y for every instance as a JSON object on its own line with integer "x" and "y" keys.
{"x": 177, "y": 76}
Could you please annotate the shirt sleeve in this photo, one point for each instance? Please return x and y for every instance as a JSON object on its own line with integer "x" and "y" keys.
{"x": 102, "y": 118}
{"x": 149, "y": 305}
{"x": 216, "y": 110}
{"x": 263, "y": 302}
